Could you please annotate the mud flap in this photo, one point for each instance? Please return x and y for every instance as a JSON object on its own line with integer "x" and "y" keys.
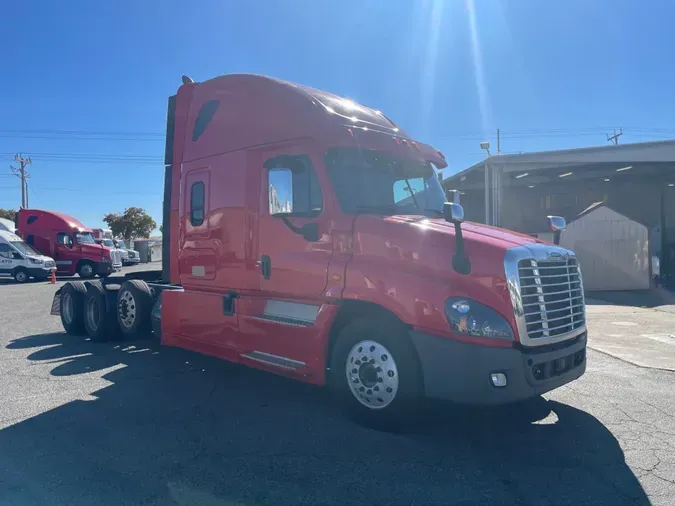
{"x": 56, "y": 304}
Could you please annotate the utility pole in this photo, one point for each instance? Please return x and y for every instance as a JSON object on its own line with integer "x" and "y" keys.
{"x": 615, "y": 138}
{"x": 499, "y": 145}
{"x": 21, "y": 173}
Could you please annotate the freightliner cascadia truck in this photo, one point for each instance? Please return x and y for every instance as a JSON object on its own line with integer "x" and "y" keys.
{"x": 308, "y": 236}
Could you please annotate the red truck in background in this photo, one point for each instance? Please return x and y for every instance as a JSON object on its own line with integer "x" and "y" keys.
{"x": 68, "y": 241}
{"x": 308, "y": 236}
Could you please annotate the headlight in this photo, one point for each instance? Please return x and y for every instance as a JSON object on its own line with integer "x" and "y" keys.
{"x": 471, "y": 318}
{"x": 36, "y": 261}
{"x": 105, "y": 259}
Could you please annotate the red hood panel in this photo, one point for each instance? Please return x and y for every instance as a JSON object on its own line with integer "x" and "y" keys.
{"x": 472, "y": 231}
{"x": 405, "y": 263}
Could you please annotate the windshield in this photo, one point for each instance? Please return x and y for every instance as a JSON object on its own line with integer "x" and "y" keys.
{"x": 368, "y": 181}
{"x": 121, "y": 244}
{"x": 24, "y": 248}
{"x": 108, "y": 243}
{"x": 85, "y": 238}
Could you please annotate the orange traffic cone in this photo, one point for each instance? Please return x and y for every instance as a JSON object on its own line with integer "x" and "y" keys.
{"x": 52, "y": 279}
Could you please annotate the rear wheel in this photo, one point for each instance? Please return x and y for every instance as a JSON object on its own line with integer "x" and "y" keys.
{"x": 86, "y": 270}
{"x": 20, "y": 275}
{"x": 99, "y": 324}
{"x": 134, "y": 303}
{"x": 72, "y": 307}
{"x": 375, "y": 374}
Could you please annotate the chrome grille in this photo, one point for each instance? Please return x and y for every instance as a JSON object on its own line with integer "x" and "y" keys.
{"x": 552, "y": 296}
{"x": 115, "y": 257}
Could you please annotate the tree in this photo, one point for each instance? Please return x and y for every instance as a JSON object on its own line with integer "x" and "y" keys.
{"x": 9, "y": 214}
{"x": 133, "y": 223}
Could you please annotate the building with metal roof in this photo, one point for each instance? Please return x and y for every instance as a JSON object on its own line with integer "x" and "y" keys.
{"x": 518, "y": 191}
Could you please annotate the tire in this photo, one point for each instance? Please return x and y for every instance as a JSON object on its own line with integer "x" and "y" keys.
{"x": 86, "y": 270}
{"x": 72, "y": 307}
{"x": 21, "y": 275}
{"x": 384, "y": 391}
{"x": 134, "y": 303}
{"x": 100, "y": 324}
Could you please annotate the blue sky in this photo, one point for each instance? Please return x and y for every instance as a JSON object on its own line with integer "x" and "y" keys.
{"x": 84, "y": 84}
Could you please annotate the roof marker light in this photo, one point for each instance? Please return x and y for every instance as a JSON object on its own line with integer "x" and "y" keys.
{"x": 624, "y": 168}
{"x": 522, "y": 175}
{"x": 606, "y": 180}
{"x": 566, "y": 174}
{"x": 396, "y": 129}
{"x": 349, "y": 131}
{"x": 441, "y": 154}
{"x": 671, "y": 184}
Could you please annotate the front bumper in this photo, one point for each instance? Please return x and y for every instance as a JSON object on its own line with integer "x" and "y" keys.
{"x": 460, "y": 372}
{"x": 131, "y": 261}
{"x": 40, "y": 272}
{"x": 105, "y": 268}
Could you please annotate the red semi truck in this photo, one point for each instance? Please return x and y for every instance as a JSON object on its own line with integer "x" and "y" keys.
{"x": 308, "y": 236}
{"x": 68, "y": 241}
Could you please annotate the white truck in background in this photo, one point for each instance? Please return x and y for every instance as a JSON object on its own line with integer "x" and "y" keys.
{"x": 22, "y": 262}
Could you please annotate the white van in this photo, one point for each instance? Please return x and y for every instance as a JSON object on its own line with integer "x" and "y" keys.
{"x": 21, "y": 261}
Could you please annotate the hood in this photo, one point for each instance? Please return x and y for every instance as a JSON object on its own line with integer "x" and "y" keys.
{"x": 424, "y": 248}
{"x": 95, "y": 249}
{"x": 472, "y": 232}
{"x": 44, "y": 258}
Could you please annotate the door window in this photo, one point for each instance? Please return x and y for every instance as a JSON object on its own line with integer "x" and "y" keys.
{"x": 64, "y": 239}
{"x": 197, "y": 203}
{"x": 293, "y": 187}
{"x": 6, "y": 251}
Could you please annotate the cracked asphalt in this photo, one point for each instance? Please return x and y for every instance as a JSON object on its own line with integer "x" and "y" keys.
{"x": 124, "y": 423}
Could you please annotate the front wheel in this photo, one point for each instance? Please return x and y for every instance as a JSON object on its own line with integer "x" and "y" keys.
{"x": 20, "y": 275}
{"x": 375, "y": 374}
{"x": 86, "y": 270}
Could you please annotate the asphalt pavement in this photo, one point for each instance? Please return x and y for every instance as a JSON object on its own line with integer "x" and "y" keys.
{"x": 125, "y": 423}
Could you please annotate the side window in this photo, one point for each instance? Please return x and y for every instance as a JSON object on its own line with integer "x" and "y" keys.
{"x": 197, "y": 203}
{"x": 6, "y": 251}
{"x": 31, "y": 219}
{"x": 64, "y": 239}
{"x": 293, "y": 187}
{"x": 204, "y": 117}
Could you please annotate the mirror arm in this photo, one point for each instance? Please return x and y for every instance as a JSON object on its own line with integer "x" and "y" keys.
{"x": 460, "y": 262}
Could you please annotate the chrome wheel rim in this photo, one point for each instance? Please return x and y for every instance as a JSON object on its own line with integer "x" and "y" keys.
{"x": 127, "y": 308}
{"x": 67, "y": 307}
{"x": 86, "y": 270}
{"x": 92, "y": 314}
{"x": 372, "y": 374}
{"x": 21, "y": 276}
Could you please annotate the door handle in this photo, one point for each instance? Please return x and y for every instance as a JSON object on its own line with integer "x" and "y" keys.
{"x": 266, "y": 266}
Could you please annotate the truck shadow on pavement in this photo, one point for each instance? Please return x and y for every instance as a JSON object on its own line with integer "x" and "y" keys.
{"x": 175, "y": 427}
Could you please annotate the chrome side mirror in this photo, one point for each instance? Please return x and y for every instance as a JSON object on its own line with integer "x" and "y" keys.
{"x": 557, "y": 224}
{"x": 453, "y": 213}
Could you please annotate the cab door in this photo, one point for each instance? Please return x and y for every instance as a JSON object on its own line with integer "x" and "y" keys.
{"x": 294, "y": 243}
{"x": 66, "y": 253}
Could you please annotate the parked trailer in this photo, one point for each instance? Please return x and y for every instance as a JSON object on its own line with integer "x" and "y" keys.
{"x": 313, "y": 240}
